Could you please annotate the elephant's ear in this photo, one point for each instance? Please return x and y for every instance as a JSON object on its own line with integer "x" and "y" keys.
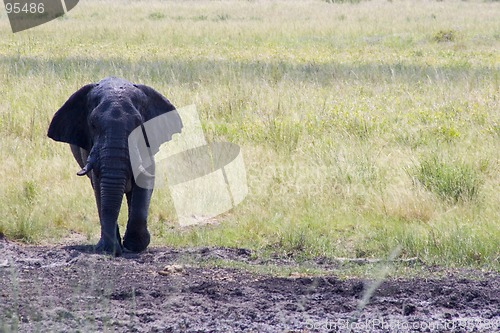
{"x": 161, "y": 119}
{"x": 70, "y": 123}
{"x": 157, "y": 104}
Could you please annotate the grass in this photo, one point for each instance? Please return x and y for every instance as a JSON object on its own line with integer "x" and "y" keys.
{"x": 364, "y": 126}
{"x": 454, "y": 181}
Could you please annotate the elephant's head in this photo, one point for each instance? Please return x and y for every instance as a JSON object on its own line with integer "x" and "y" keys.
{"x": 98, "y": 118}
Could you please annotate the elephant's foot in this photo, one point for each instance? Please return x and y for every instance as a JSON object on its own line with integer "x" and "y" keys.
{"x": 136, "y": 241}
{"x": 108, "y": 247}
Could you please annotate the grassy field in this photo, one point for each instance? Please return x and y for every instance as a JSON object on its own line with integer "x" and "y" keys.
{"x": 365, "y": 127}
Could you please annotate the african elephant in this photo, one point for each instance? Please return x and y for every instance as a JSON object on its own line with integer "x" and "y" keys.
{"x": 96, "y": 121}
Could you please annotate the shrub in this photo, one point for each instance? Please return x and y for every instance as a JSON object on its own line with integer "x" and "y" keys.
{"x": 454, "y": 181}
{"x": 445, "y": 36}
{"x": 156, "y": 16}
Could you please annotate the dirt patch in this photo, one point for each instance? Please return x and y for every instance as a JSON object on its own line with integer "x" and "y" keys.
{"x": 70, "y": 289}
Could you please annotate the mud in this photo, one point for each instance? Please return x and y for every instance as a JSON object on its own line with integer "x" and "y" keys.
{"x": 70, "y": 289}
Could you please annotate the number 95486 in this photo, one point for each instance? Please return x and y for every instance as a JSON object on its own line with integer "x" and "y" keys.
{"x": 27, "y": 8}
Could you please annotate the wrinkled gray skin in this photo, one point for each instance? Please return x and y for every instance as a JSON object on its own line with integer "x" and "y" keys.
{"x": 96, "y": 121}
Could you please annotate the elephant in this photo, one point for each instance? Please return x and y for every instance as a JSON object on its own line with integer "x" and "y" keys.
{"x": 96, "y": 121}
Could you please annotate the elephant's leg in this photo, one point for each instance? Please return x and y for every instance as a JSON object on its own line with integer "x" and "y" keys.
{"x": 137, "y": 236}
{"x": 101, "y": 246}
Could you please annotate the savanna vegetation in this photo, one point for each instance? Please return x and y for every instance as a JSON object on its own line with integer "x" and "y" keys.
{"x": 365, "y": 126}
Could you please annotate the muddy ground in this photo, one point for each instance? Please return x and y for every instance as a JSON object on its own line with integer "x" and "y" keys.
{"x": 69, "y": 289}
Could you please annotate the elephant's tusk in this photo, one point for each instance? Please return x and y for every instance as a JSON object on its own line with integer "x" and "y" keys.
{"x": 86, "y": 169}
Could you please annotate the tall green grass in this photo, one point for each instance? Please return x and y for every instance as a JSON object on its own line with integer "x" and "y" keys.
{"x": 453, "y": 181}
{"x": 364, "y": 126}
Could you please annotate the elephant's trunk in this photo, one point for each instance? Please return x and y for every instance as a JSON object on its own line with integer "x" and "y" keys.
{"x": 114, "y": 172}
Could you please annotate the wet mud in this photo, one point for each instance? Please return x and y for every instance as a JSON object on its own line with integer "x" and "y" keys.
{"x": 71, "y": 289}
